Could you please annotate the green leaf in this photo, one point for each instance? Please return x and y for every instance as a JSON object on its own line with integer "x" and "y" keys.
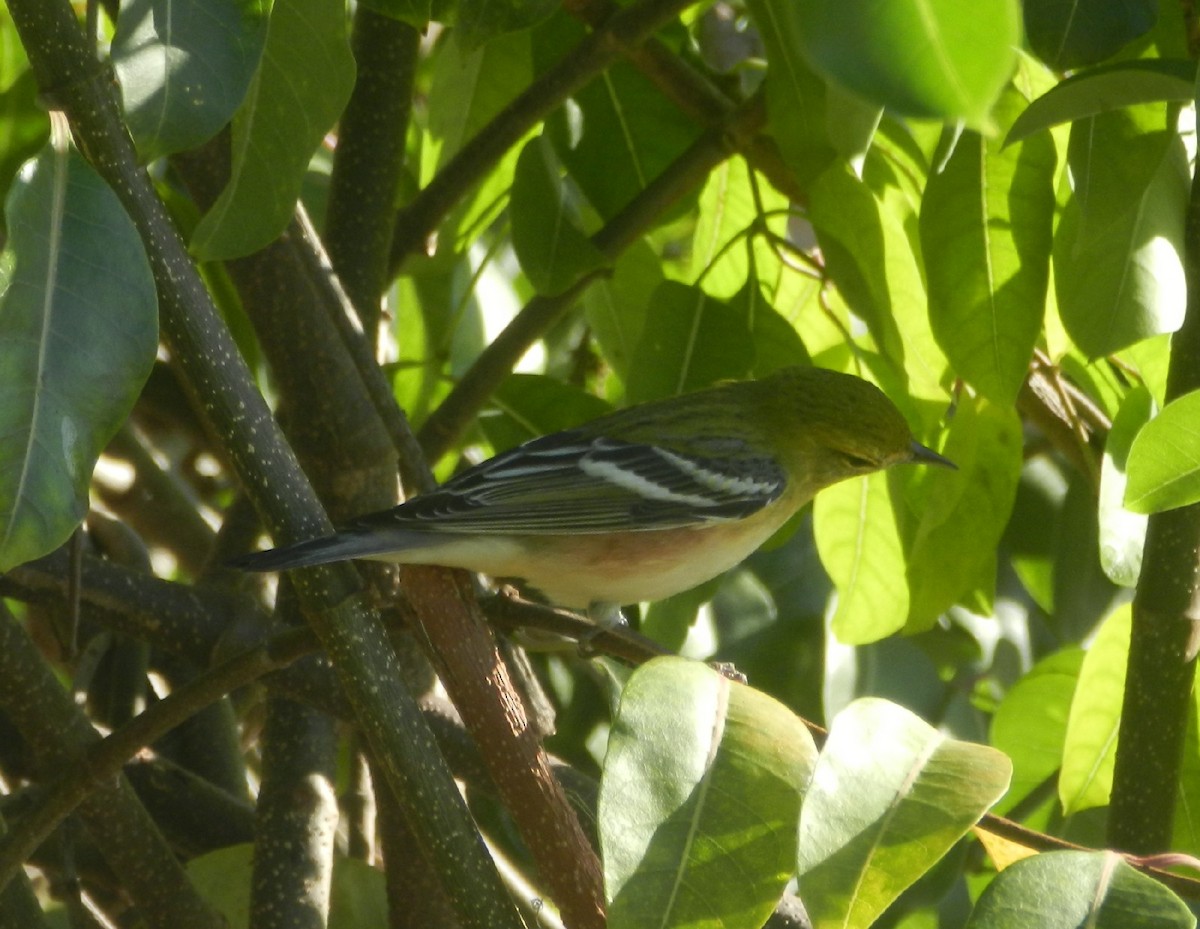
{"x": 530, "y": 405}
{"x": 807, "y": 306}
{"x": 78, "y": 336}
{"x": 480, "y": 22}
{"x": 690, "y": 341}
{"x": 1030, "y": 725}
{"x": 469, "y": 221}
{"x": 468, "y": 89}
{"x": 223, "y": 878}
{"x": 1033, "y": 529}
{"x": 302, "y": 85}
{"x": 1151, "y": 358}
{"x": 1122, "y": 533}
{"x": 1164, "y": 461}
{"x": 777, "y": 344}
{"x": 1117, "y": 252}
{"x": 1069, "y": 34}
{"x": 859, "y": 546}
{"x": 668, "y": 621}
{"x": 870, "y": 257}
{"x": 986, "y": 236}
{"x": 889, "y": 798}
{"x": 851, "y": 123}
{"x": 1082, "y": 595}
{"x": 699, "y": 800}
{"x": 963, "y": 513}
{"x": 13, "y": 60}
{"x": 616, "y": 306}
{"x": 940, "y": 59}
{"x": 618, "y": 136}
{"x": 357, "y": 898}
{"x": 1066, "y": 890}
{"x": 184, "y": 67}
{"x": 1090, "y": 748}
{"x": 414, "y": 12}
{"x": 738, "y": 213}
{"x": 1106, "y": 88}
{"x": 797, "y": 110}
{"x": 553, "y": 250}
{"x": 721, "y": 239}
{"x": 1185, "y": 831}
{"x": 24, "y": 127}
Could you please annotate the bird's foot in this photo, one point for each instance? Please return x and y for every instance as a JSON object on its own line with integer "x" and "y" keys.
{"x": 607, "y": 617}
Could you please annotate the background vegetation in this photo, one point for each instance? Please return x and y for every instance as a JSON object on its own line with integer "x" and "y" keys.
{"x": 426, "y": 233}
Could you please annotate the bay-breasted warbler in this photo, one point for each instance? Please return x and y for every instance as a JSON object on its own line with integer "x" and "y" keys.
{"x": 641, "y": 503}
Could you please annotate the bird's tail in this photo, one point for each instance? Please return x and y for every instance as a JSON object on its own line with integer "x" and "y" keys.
{"x": 340, "y": 547}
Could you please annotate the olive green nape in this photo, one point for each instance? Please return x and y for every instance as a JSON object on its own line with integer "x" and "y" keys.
{"x": 845, "y": 411}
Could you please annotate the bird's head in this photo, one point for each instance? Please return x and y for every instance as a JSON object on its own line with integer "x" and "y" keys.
{"x": 838, "y": 426}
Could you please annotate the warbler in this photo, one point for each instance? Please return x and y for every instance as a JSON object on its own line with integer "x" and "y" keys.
{"x": 641, "y": 503}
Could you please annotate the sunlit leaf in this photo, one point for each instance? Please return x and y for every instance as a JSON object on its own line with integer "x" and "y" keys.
{"x": 1109, "y": 87}
{"x": 851, "y": 122}
{"x": 860, "y": 547}
{"x": 1117, "y": 253}
{"x": 986, "y": 222}
{"x": 870, "y": 257}
{"x": 1030, "y": 725}
{"x": 468, "y": 89}
{"x": 1122, "y": 533}
{"x": 1164, "y": 461}
{"x": 962, "y": 514}
{"x": 939, "y": 59}
{"x": 721, "y": 239}
{"x": 1090, "y": 748}
{"x": 889, "y": 797}
{"x": 1065, "y": 890}
{"x": 699, "y": 800}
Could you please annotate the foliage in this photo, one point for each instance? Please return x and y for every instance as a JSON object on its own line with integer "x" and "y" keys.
{"x": 562, "y": 209}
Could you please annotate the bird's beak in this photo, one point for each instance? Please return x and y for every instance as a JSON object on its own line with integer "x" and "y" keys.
{"x": 923, "y": 455}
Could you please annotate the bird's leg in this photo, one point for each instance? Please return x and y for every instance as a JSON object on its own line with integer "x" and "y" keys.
{"x": 607, "y": 617}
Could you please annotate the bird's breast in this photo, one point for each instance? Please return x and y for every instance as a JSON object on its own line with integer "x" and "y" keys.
{"x": 578, "y": 570}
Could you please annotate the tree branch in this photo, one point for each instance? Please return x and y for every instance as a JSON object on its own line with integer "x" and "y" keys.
{"x": 623, "y": 30}
{"x": 454, "y": 414}
{"x": 46, "y": 717}
{"x": 1166, "y": 625}
{"x": 369, "y": 157}
{"x": 222, "y": 387}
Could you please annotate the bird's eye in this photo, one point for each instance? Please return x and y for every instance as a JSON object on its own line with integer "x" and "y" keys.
{"x": 858, "y": 462}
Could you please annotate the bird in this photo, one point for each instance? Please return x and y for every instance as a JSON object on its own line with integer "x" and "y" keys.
{"x": 641, "y": 503}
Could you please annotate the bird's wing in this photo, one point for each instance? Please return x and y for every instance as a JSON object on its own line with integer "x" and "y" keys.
{"x": 573, "y": 482}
